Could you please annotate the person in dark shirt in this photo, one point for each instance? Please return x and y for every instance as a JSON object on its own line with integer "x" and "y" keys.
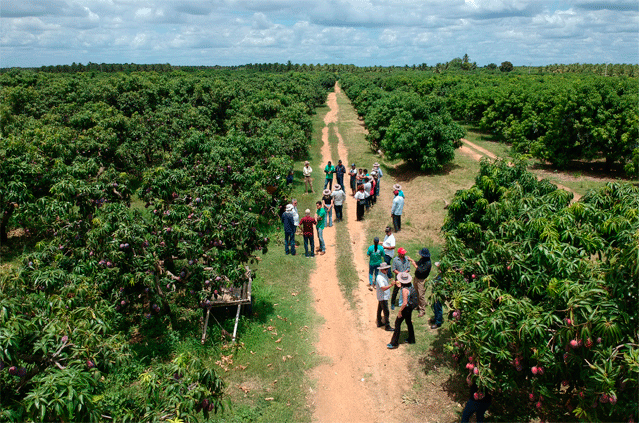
{"x": 340, "y": 170}
{"x": 477, "y": 403}
{"x": 289, "y": 230}
{"x": 422, "y": 270}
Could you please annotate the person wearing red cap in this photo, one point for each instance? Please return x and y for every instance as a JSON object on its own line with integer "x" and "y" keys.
{"x": 399, "y": 264}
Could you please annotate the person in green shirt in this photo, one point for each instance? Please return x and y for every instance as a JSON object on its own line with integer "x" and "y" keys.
{"x": 329, "y": 170}
{"x": 376, "y": 256}
{"x": 321, "y": 214}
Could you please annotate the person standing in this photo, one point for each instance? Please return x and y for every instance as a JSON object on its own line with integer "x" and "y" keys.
{"x": 320, "y": 218}
{"x": 438, "y": 314}
{"x": 375, "y": 253}
{"x": 404, "y": 313}
{"x": 380, "y": 174}
{"x": 422, "y": 270}
{"x": 340, "y": 170}
{"x": 339, "y": 196}
{"x": 400, "y": 264}
{"x": 296, "y": 215}
{"x": 389, "y": 245}
{"x": 367, "y": 189}
{"x": 383, "y": 294}
{"x": 360, "y": 197}
{"x": 289, "y": 230}
{"x": 308, "y": 182}
{"x": 396, "y": 211}
{"x": 307, "y": 223}
{"x": 329, "y": 170}
{"x": 477, "y": 403}
{"x": 290, "y": 177}
{"x": 353, "y": 174}
{"x": 375, "y": 190}
{"x": 327, "y": 202}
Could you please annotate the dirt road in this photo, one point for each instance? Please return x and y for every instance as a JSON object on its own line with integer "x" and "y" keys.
{"x": 359, "y": 383}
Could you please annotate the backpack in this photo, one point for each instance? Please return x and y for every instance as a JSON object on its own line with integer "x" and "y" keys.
{"x": 413, "y": 300}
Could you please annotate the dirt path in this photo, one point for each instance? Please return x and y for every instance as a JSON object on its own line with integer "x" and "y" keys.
{"x": 477, "y": 152}
{"x": 358, "y": 383}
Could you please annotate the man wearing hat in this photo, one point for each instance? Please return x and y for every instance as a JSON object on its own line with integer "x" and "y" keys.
{"x": 353, "y": 174}
{"x": 404, "y": 313}
{"x": 338, "y": 200}
{"x": 327, "y": 202}
{"x": 329, "y": 170}
{"x": 289, "y": 229}
{"x": 399, "y": 264}
{"x": 380, "y": 174}
{"x": 383, "y": 294}
{"x": 340, "y": 170}
{"x": 308, "y": 182}
{"x": 422, "y": 270}
{"x": 307, "y": 223}
{"x": 397, "y": 209}
{"x": 375, "y": 189}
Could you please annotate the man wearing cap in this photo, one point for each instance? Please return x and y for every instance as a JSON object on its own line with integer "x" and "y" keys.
{"x": 353, "y": 174}
{"x": 400, "y": 264}
{"x": 289, "y": 229}
{"x": 320, "y": 217}
{"x": 375, "y": 253}
{"x": 340, "y": 170}
{"x": 338, "y": 200}
{"x": 396, "y": 211}
{"x": 308, "y": 182}
{"x": 383, "y": 294}
{"x": 404, "y": 313}
{"x": 389, "y": 245}
{"x": 307, "y": 223}
{"x": 329, "y": 170}
{"x": 422, "y": 270}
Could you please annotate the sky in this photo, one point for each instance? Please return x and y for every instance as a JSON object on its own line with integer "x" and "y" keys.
{"x": 34, "y": 33}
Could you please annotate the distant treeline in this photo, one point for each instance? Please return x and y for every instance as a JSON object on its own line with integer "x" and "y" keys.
{"x": 457, "y": 64}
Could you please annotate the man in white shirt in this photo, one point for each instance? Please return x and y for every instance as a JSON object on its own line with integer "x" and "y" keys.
{"x": 339, "y": 196}
{"x": 296, "y": 215}
{"x": 389, "y": 245}
{"x": 383, "y": 295}
{"x": 308, "y": 182}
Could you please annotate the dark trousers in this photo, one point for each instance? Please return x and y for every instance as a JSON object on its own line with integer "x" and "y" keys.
{"x": 397, "y": 222}
{"x": 340, "y": 180}
{"x": 328, "y": 183}
{"x": 360, "y": 210}
{"x": 394, "y": 295}
{"x": 406, "y": 315}
{"x": 338, "y": 212}
{"x": 472, "y": 407}
{"x": 289, "y": 242}
{"x": 437, "y": 311}
{"x": 382, "y": 307}
{"x": 387, "y": 259}
{"x": 309, "y": 240}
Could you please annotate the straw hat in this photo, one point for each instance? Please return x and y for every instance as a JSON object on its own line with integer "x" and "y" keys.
{"x": 326, "y": 192}
{"x": 397, "y": 187}
{"x": 384, "y": 266}
{"x": 337, "y": 187}
{"x": 404, "y": 278}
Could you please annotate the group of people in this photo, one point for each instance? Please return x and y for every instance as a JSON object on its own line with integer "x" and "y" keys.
{"x": 388, "y": 267}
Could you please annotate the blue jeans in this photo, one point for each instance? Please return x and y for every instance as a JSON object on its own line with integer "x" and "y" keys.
{"x": 373, "y": 271}
{"x": 289, "y": 242}
{"x": 309, "y": 240}
{"x": 320, "y": 236}
{"x": 329, "y": 215}
{"x": 328, "y": 183}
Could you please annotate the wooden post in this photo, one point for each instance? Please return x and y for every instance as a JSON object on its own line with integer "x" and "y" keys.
{"x": 237, "y": 319}
{"x": 206, "y": 323}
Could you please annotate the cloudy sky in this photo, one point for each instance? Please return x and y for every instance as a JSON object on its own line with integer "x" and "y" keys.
{"x": 360, "y": 32}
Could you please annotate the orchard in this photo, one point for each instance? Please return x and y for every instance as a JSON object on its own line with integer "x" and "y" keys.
{"x": 543, "y": 293}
